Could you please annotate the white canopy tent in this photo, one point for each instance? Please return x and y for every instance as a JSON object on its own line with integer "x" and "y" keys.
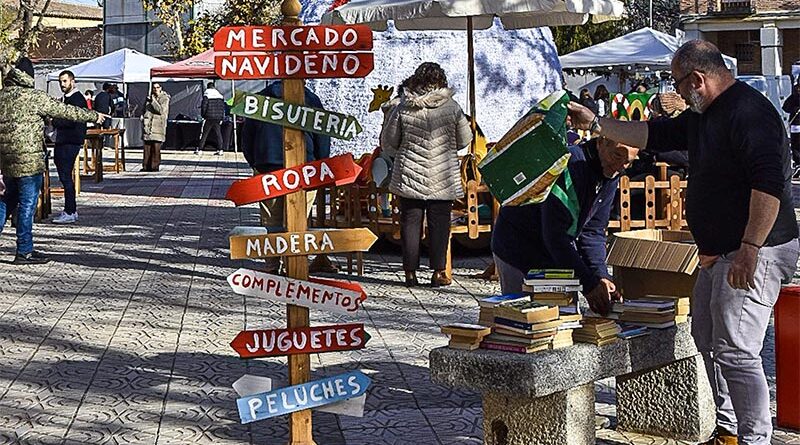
{"x": 642, "y": 50}
{"x": 122, "y": 66}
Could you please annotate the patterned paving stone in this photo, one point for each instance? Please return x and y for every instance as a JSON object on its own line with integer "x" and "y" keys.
{"x": 124, "y": 337}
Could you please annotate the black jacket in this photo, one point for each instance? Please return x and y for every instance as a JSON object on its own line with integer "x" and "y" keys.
{"x": 71, "y": 132}
{"x": 792, "y": 106}
{"x": 213, "y": 106}
{"x": 102, "y": 103}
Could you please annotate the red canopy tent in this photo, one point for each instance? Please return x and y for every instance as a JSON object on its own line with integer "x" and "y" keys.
{"x": 200, "y": 66}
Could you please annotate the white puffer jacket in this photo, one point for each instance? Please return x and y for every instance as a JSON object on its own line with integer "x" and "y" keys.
{"x": 424, "y": 133}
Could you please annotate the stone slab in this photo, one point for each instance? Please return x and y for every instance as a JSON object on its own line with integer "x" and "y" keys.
{"x": 547, "y": 372}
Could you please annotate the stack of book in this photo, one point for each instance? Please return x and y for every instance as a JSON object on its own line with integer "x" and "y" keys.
{"x": 555, "y": 287}
{"x": 523, "y": 326}
{"x": 628, "y": 331}
{"x": 465, "y": 336}
{"x": 597, "y": 331}
{"x": 653, "y": 311}
{"x": 488, "y": 305}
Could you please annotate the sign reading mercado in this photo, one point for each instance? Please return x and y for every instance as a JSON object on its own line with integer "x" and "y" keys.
{"x": 253, "y": 52}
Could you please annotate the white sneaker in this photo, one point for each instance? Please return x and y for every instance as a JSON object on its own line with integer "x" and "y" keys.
{"x": 218, "y": 153}
{"x": 66, "y": 218}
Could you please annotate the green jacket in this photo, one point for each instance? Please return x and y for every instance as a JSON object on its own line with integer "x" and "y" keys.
{"x": 22, "y": 113}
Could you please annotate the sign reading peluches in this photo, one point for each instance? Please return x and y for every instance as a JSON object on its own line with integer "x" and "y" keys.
{"x": 300, "y": 117}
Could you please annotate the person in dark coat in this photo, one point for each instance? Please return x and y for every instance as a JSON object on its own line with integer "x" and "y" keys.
{"x": 69, "y": 139}
{"x": 558, "y": 234}
{"x": 103, "y": 104}
{"x": 212, "y": 109}
{"x": 792, "y": 106}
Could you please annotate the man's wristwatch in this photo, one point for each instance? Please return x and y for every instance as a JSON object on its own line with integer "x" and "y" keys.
{"x": 595, "y": 127}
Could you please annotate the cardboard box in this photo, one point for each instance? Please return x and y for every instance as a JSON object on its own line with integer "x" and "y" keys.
{"x": 652, "y": 261}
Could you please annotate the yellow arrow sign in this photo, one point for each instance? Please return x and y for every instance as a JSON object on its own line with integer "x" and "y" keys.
{"x": 256, "y": 242}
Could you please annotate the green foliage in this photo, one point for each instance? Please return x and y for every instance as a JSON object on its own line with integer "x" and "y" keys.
{"x": 637, "y": 16}
{"x": 200, "y": 32}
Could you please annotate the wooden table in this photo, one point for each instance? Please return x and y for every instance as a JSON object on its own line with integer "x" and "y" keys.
{"x": 94, "y": 145}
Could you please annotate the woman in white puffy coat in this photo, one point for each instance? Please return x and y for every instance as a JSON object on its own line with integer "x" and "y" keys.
{"x": 424, "y": 133}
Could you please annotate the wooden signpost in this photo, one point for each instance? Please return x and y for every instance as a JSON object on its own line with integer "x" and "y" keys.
{"x": 302, "y": 397}
{"x": 310, "y": 340}
{"x": 339, "y": 170}
{"x": 302, "y": 52}
{"x": 249, "y": 242}
{"x": 327, "y": 295}
{"x": 300, "y": 117}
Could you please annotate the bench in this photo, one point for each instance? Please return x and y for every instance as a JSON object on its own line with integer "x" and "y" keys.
{"x": 548, "y": 397}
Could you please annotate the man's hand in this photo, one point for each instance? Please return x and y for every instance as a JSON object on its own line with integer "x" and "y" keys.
{"x": 601, "y": 297}
{"x": 743, "y": 268}
{"x": 101, "y": 118}
{"x": 582, "y": 117}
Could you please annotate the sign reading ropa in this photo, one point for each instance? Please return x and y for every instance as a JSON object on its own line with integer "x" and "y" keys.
{"x": 327, "y": 295}
{"x": 300, "y": 117}
{"x": 309, "y": 340}
{"x": 299, "y": 52}
{"x": 338, "y": 170}
{"x": 304, "y": 396}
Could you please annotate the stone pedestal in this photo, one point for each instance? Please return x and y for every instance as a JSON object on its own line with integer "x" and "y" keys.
{"x": 562, "y": 418}
{"x": 673, "y": 401}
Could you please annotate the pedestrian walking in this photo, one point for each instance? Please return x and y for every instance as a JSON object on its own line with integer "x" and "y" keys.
{"x": 22, "y": 113}
{"x": 423, "y": 134}
{"x": 792, "y": 106}
{"x": 69, "y": 138}
{"x": 739, "y": 209}
{"x": 154, "y": 127}
{"x": 212, "y": 109}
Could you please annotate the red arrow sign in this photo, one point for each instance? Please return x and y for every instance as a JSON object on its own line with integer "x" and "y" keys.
{"x": 308, "y": 65}
{"x": 308, "y": 340}
{"x": 339, "y": 170}
{"x": 293, "y": 38}
{"x": 349, "y": 285}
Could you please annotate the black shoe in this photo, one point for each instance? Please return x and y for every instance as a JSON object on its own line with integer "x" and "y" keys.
{"x": 411, "y": 279}
{"x": 31, "y": 258}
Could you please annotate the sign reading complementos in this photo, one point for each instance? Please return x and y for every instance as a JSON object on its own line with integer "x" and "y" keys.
{"x": 300, "y": 397}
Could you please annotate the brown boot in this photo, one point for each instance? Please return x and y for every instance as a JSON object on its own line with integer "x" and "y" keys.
{"x": 440, "y": 278}
{"x": 722, "y": 437}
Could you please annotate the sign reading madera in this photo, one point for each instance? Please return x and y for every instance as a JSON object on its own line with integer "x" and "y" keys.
{"x": 304, "y": 396}
{"x": 309, "y": 340}
{"x": 255, "y": 242}
{"x": 338, "y": 170}
{"x": 326, "y": 296}
{"x": 300, "y": 117}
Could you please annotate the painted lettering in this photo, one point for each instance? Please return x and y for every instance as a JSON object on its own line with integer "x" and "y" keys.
{"x": 254, "y": 404}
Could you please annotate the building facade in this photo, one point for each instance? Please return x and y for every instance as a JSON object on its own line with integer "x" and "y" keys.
{"x": 763, "y": 35}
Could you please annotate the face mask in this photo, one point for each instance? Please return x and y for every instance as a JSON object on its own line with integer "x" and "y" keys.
{"x": 695, "y": 101}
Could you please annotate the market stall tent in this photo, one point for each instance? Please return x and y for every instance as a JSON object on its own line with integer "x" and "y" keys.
{"x": 200, "y": 66}
{"x": 644, "y": 49}
{"x": 122, "y": 66}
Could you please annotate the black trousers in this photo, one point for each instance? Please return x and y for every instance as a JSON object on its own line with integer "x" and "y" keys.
{"x": 64, "y": 157}
{"x": 152, "y": 156}
{"x": 412, "y": 212}
{"x": 208, "y": 126}
{"x": 795, "y": 142}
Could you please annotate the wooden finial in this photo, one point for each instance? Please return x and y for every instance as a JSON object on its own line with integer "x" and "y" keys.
{"x": 291, "y": 12}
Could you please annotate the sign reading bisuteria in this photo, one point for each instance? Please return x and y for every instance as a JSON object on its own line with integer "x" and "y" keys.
{"x": 300, "y": 117}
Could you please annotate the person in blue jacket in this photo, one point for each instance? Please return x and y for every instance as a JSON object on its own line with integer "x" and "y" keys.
{"x": 568, "y": 229}
{"x": 262, "y": 146}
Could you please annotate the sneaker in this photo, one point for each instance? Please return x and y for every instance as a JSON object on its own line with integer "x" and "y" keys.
{"x": 31, "y": 258}
{"x": 197, "y": 151}
{"x": 218, "y": 153}
{"x": 66, "y": 218}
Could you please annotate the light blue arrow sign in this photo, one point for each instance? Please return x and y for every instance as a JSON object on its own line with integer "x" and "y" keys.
{"x": 299, "y": 397}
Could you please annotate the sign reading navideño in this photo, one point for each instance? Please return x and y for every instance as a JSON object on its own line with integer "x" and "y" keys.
{"x": 310, "y": 65}
{"x": 300, "y": 117}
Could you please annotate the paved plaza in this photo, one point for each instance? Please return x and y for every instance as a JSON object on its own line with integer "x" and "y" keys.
{"x": 124, "y": 337}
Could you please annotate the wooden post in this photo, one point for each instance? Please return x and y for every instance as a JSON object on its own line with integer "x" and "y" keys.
{"x": 296, "y": 220}
{"x": 650, "y": 202}
{"x": 625, "y": 204}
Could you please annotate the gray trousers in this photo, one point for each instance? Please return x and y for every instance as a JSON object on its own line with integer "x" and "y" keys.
{"x": 728, "y": 326}
{"x": 511, "y": 278}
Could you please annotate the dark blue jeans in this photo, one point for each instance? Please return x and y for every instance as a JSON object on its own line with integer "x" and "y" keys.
{"x": 22, "y": 192}
{"x": 64, "y": 156}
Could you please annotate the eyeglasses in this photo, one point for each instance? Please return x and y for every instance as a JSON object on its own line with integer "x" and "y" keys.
{"x": 676, "y": 83}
